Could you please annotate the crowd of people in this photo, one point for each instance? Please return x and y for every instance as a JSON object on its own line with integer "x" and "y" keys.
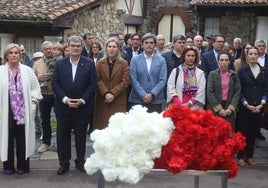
{"x": 86, "y": 82}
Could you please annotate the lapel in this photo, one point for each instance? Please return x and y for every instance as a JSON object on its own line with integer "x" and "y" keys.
{"x": 104, "y": 68}
{"x": 80, "y": 66}
{"x": 249, "y": 72}
{"x": 214, "y": 59}
{"x": 148, "y": 72}
{"x": 116, "y": 68}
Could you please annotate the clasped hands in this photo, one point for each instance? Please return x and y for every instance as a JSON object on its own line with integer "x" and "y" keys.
{"x": 73, "y": 103}
{"x": 147, "y": 98}
{"x": 109, "y": 98}
{"x": 254, "y": 109}
{"x": 225, "y": 113}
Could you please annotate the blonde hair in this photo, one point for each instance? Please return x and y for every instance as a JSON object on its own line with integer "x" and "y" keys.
{"x": 118, "y": 55}
{"x": 8, "y": 48}
{"x": 58, "y": 46}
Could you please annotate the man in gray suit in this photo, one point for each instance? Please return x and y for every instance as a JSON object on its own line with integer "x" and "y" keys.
{"x": 148, "y": 74}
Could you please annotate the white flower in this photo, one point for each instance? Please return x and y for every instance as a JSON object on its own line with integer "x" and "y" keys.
{"x": 125, "y": 150}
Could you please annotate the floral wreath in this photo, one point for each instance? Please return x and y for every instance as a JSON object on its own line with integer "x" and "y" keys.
{"x": 136, "y": 142}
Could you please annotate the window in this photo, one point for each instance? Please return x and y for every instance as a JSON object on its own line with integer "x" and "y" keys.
{"x": 31, "y": 45}
{"x": 212, "y": 26}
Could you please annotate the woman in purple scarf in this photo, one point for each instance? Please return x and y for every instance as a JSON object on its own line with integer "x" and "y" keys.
{"x": 19, "y": 91}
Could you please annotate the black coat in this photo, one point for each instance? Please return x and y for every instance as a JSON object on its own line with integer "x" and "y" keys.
{"x": 83, "y": 86}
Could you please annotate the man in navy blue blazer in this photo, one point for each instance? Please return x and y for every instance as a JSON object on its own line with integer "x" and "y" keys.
{"x": 209, "y": 59}
{"x": 263, "y": 61}
{"x": 148, "y": 75}
{"x": 74, "y": 82}
{"x": 136, "y": 48}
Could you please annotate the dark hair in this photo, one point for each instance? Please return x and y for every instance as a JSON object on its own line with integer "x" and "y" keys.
{"x": 216, "y": 36}
{"x": 224, "y": 53}
{"x": 116, "y": 35}
{"x": 242, "y": 57}
{"x": 147, "y": 36}
{"x": 135, "y": 34}
{"x": 98, "y": 44}
{"x": 190, "y": 48}
{"x": 85, "y": 35}
{"x": 126, "y": 37}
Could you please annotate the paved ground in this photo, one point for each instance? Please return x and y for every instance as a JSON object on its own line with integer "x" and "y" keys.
{"x": 44, "y": 167}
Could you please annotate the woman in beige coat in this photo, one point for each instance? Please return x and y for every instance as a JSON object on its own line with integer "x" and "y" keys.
{"x": 113, "y": 80}
{"x": 19, "y": 91}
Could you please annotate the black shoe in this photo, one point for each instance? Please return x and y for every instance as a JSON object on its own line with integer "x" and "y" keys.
{"x": 260, "y": 136}
{"x": 62, "y": 170}
{"x": 80, "y": 168}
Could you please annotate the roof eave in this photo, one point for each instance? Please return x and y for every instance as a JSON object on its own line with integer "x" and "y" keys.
{"x": 231, "y": 5}
{"x": 27, "y": 22}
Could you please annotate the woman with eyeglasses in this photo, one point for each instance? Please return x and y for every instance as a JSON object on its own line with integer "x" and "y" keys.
{"x": 186, "y": 84}
{"x": 95, "y": 51}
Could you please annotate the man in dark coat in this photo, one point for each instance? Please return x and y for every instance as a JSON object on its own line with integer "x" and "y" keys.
{"x": 74, "y": 83}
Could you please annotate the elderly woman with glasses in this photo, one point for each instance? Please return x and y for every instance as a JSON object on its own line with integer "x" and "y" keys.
{"x": 186, "y": 84}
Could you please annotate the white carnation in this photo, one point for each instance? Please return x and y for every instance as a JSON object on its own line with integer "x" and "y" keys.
{"x": 125, "y": 150}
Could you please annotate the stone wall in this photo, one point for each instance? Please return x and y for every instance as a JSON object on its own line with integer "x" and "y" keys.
{"x": 102, "y": 21}
{"x": 238, "y": 24}
{"x": 106, "y": 19}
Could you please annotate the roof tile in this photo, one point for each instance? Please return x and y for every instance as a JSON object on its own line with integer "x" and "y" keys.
{"x": 38, "y": 9}
{"x": 230, "y": 2}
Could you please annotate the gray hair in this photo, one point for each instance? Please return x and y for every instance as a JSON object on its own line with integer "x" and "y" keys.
{"x": 178, "y": 37}
{"x": 45, "y": 43}
{"x": 147, "y": 36}
{"x": 259, "y": 41}
{"x": 75, "y": 38}
{"x": 238, "y": 39}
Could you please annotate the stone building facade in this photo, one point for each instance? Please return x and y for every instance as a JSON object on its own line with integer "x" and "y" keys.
{"x": 57, "y": 20}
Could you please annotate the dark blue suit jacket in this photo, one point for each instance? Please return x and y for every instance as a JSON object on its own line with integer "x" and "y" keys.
{"x": 266, "y": 61}
{"x": 210, "y": 63}
{"x": 129, "y": 51}
{"x": 83, "y": 86}
{"x": 172, "y": 61}
{"x": 253, "y": 90}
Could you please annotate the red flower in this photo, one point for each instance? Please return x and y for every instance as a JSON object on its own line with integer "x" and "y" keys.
{"x": 200, "y": 141}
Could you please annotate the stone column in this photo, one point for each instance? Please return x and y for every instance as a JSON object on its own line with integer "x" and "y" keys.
{"x": 262, "y": 28}
{"x": 5, "y": 40}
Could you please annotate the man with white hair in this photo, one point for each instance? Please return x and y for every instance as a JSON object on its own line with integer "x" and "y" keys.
{"x": 198, "y": 41}
{"x": 263, "y": 61}
{"x": 237, "y": 42}
{"x": 40, "y": 68}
